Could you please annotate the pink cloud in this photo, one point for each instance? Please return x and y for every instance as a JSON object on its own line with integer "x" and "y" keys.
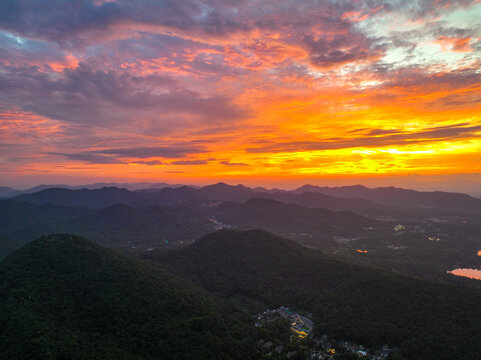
{"x": 455, "y": 44}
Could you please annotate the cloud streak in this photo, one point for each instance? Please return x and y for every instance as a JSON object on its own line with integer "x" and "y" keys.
{"x": 387, "y": 138}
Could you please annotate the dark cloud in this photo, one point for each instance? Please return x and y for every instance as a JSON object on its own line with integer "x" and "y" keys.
{"x": 201, "y": 58}
{"x": 148, "y": 152}
{"x": 340, "y": 49}
{"x": 58, "y": 20}
{"x": 116, "y": 155}
{"x": 308, "y": 24}
{"x": 228, "y": 163}
{"x": 108, "y": 98}
{"x": 150, "y": 162}
{"x": 375, "y": 132}
{"x": 16, "y": 50}
{"x": 71, "y": 21}
{"x": 190, "y": 162}
{"x": 89, "y": 157}
{"x": 406, "y": 83}
{"x": 457, "y": 100}
{"x": 326, "y": 29}
{"x": 403, "y": 138}
{"x": 424, "y": 8}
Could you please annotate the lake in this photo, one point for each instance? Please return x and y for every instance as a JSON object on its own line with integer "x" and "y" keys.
{"x": 469, "y": 273}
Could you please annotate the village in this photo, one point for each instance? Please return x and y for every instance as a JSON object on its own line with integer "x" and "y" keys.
{"x": 312, "y": 347}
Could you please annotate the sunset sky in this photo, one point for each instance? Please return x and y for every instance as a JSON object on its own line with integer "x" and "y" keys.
{"x": 258, "y": 92}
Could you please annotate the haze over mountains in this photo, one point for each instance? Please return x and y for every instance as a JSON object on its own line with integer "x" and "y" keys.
{"x": 336, "y": 198}
{"x": 6, "y": 191}
{"x": 173, "y": 213}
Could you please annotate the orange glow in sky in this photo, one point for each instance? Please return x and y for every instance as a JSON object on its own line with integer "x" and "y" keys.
{"x": 212, "y": 90}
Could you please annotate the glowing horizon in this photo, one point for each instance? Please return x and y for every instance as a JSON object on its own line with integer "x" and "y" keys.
{"x": 244, "y": 91}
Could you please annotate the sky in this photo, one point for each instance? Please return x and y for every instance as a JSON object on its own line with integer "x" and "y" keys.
{"x": 259, "y": 92}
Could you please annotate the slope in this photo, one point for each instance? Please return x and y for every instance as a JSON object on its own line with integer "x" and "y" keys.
{"x": 151, "y": 226}
{"x": 283, "y": 219}
{"x": 64, "y": 297}
{"x": 21, "y": 222}
{"x": 369, "y": 306}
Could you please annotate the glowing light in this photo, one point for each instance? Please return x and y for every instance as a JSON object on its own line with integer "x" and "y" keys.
{"x": 469, "y": 273}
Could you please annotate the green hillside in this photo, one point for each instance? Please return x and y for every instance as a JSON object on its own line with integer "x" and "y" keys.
{"x": 366, "y": 305}
{"x": 64, "y": 297}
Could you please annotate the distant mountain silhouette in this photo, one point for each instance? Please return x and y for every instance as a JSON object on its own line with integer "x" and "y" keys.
{"x": 355, "y": 198}
{"x": 44, "y": 187}
{"x": 96, "y": 198}
{"x": 99, "y": 198}
{"x": 400, "y": 197}
{"x": 317, "y": 200}
{"x": 6, "y": 192}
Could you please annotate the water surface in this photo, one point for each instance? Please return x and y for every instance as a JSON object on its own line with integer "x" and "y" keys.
{"x": 469, "y": 273}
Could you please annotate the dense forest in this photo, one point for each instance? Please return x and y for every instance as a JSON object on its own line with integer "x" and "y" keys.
{"x": 366, "y": 305}
{"x": 64, "y": 297}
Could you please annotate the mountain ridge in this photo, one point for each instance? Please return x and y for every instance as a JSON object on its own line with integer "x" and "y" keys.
{"x": 356, "y": 197}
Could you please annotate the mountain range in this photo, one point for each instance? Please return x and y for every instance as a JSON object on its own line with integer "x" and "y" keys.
{"x": 434, "y": 239}
{"x": 7, "y": 192}
{"x": 355, "y": 198}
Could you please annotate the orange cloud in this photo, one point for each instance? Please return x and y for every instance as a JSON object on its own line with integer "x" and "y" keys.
{"x": 354, "y": 16}
{"x": 455, "y": 44}
{"x": 70, "y": 62}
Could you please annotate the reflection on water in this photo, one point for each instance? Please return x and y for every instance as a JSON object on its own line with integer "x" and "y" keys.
{"x": 469, "y": 273}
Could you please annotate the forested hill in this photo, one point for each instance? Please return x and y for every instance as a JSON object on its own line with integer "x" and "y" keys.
{"x": 63, "y": 297}
{"x": 366, "y": 305}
